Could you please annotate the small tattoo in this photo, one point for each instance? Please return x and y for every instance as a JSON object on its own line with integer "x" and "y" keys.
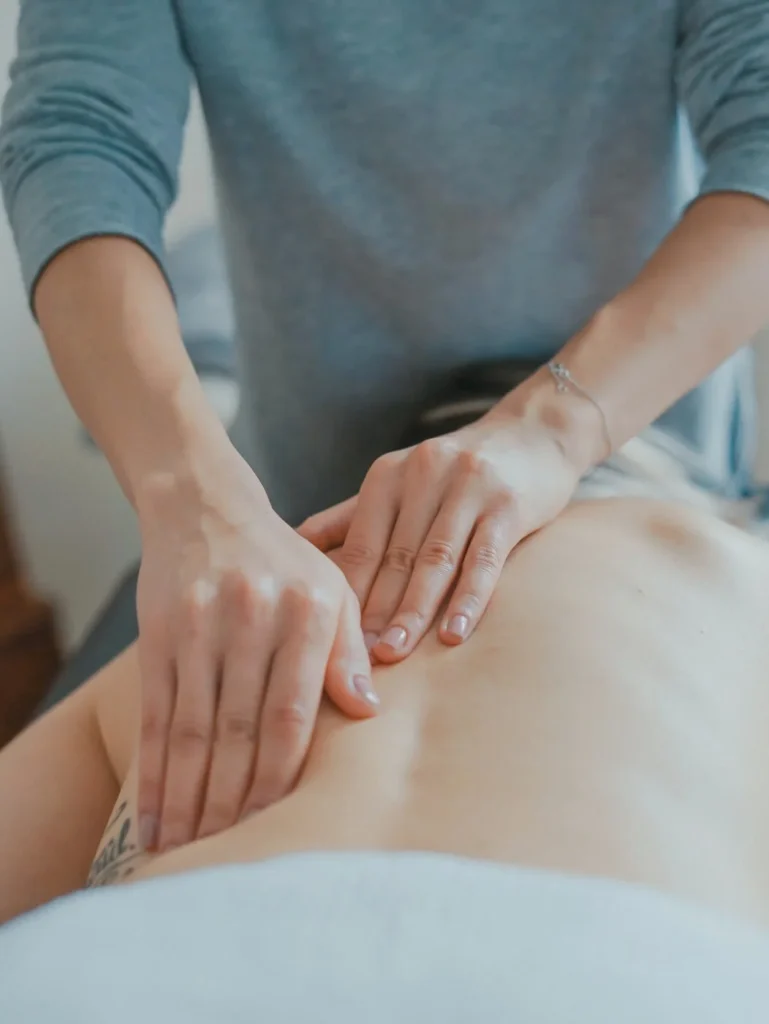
{"x": 120, "y": 810}
{"x": 112, "y": 863}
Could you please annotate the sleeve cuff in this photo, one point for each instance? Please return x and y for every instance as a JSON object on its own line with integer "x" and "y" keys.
{"x": 72, "y": 197}
{"x": 742, "y": 170}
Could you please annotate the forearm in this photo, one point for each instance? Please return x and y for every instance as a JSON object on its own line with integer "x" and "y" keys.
{"x": 701, "y": 296}
{"x": 110, "y": 324}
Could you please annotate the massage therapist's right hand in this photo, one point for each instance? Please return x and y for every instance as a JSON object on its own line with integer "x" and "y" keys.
{"x": 241, "y": 624}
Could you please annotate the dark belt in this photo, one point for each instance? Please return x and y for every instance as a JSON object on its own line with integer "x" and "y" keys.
{"x": 468, "y": 394}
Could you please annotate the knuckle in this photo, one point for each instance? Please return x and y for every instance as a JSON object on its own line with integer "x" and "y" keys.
{"x": 240, "y": 594}
{"x": 356, "y": 554}
{"x": 288, "y": 719}
{"x": 480, "y": 470}
{"x": 439, "y": 554}
{"x": 506, "y": 503}
{"x": 195, "y": 603}
{"x": 487, "y": 558}
{"x": 385, "y": 465}
{"x": 323, "y": 605}
{"x": 431, "y": 454}
{"x": 287, "y": 724}
{"x": 299, "y": 600}
{"x": 399, "y": 558}
{"x": 188, "y": 736}
{"x": 471, "y": 463}
{"x": 235, "y": 727}
{"x": 309, "y": 603}
{"x": 153, "y": 727}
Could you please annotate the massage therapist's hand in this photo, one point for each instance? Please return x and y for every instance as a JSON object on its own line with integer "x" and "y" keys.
{"x": 241, "y": 623}
{"x": 439, "y": 520}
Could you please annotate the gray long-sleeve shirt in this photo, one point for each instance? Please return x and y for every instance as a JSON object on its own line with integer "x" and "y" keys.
{"x": 404, "y": 185}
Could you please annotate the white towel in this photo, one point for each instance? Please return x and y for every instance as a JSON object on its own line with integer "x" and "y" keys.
{"x": 380, "y": 938}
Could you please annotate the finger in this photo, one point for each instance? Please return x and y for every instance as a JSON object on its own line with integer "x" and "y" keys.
{"x": 328, "y": 529}
{"x": 436, "y": 567}
{"x": 492, "y": 542}
{"x": 372, "y": 524}
{"x": 420, "y": 504}
{"x": 192, "y": 725}
{"x": 291, "y": 699}
{"x": 244, "y": 675}
{"x": 158, "y": 693}
{"x": 348, "y": 676}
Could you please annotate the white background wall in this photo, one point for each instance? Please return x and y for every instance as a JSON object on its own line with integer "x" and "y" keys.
{"x": 76, "y": 530}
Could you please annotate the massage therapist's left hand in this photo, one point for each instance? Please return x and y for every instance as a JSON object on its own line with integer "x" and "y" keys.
{"x": 440, "y": 519}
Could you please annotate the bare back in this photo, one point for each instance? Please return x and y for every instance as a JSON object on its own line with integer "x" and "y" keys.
{"x": 610, "y": 717}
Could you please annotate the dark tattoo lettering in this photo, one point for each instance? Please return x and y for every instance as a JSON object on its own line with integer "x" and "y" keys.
{"x": 114, "y": 861}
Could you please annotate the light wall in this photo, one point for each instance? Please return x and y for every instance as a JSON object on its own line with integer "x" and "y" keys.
{"x": 76, "y": 530}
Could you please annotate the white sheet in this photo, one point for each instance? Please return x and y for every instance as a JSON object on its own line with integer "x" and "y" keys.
{"x": 376, "y": 939}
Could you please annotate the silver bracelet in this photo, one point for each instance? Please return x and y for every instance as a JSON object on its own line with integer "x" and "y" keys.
{"x": 564, "y": 381}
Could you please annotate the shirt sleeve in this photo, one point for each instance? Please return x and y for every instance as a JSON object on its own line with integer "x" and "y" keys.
{"x": 723, "y": 81}
{"x": 92, "y": 125}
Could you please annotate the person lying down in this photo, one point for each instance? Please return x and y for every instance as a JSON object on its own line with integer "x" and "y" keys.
{"x": 592, "y": 765}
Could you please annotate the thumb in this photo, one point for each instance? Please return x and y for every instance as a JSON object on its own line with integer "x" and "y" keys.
{"x": 348, "y": 675}
{"x": 328, "y": 529}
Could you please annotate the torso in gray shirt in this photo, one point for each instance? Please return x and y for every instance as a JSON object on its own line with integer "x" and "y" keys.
{"x": 410, "y": 185}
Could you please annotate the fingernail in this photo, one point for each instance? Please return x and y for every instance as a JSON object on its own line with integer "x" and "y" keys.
{"x": 458, "y": 625}
{"x": 148, "y": 831}
{"x": 362, "y": 686}
{"x": 394, "y": 637}
{"x": 370, "y": 640}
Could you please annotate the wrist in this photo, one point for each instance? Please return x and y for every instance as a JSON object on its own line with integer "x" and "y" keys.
{"x": 206, "y": 487}
{"x": 201, "y": 470}
{"x": 573, "y": 422}
{"x": 176, "y": 431}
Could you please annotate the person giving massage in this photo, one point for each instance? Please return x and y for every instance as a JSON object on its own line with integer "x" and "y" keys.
{"x": 608, "y": 718}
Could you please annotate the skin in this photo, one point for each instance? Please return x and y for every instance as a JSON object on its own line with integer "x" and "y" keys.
{"x": 608, "y": 717}
{"x": 215, "y": 553}
{"x": 228, "y": 593}
{"x": 439, "y": 521}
